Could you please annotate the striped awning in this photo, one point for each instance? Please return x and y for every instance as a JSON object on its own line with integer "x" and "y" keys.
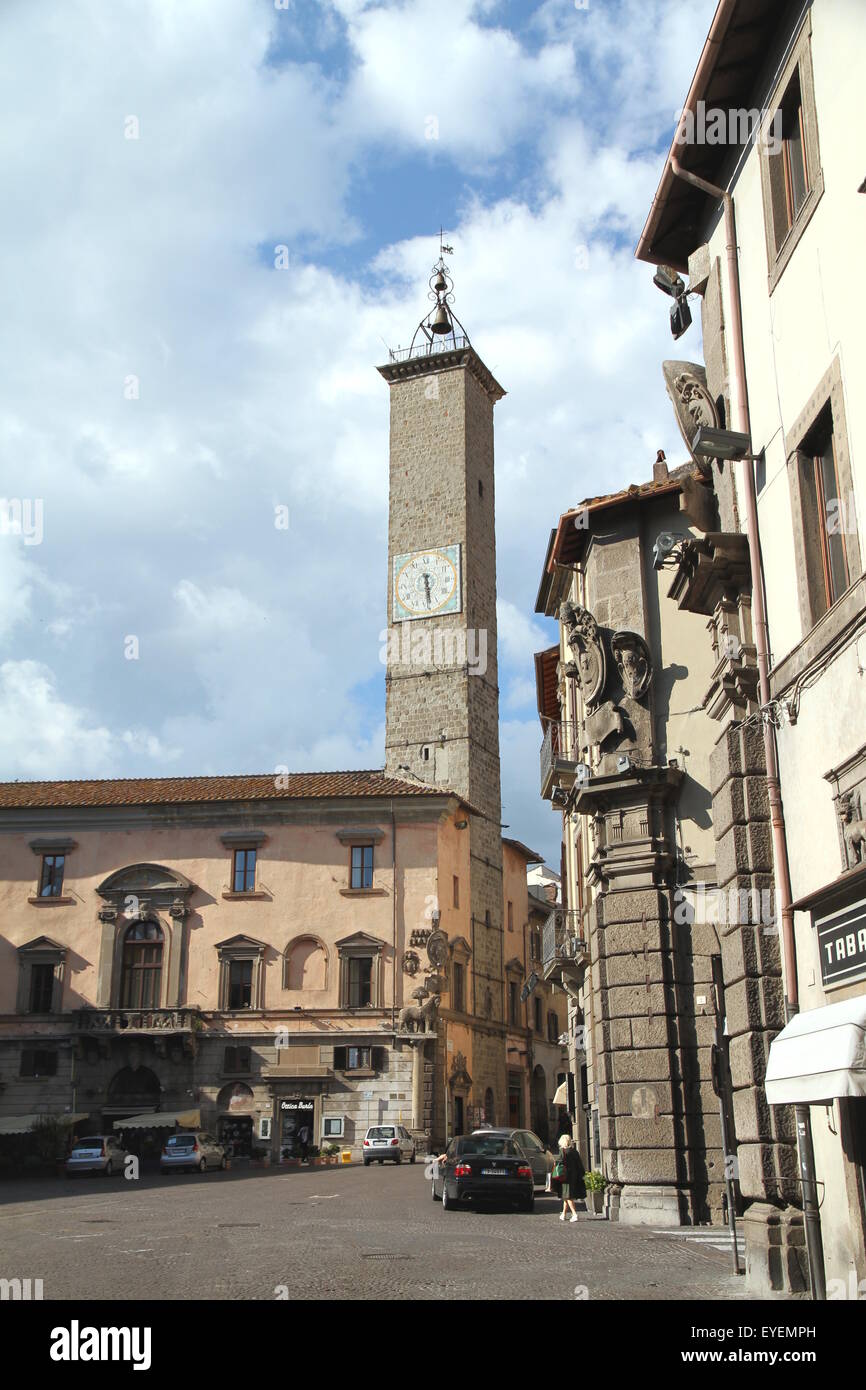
{"x": 22, "y": 1124}
{"x": 163, "y": 1119}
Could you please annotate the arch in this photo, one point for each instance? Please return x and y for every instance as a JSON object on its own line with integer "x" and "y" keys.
{"x": 236, "y": 1098}
{"x": 135, "y": 1087}
{"x": 306, "y": 964}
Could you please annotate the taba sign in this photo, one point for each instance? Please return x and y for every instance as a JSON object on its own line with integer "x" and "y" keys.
{"x": 842, "y": 944}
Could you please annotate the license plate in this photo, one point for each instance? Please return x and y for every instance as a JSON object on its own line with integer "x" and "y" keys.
{"x": 88, "y": 1153}
{"x": 494, "y": 1172}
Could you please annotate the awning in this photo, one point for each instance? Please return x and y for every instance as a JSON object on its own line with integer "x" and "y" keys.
{"x": 22, "y": 1124}
{"x": 560, "y": 1095}
{"x": 819, "y": 1055}
{"x": 163, "y": 1119}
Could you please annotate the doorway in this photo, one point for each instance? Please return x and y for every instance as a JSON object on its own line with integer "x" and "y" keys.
{"x": 459, "y": 1118}
{"x": 236, "y": 1134}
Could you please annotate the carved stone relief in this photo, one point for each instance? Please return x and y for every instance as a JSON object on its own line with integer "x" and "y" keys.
{"x": 686, "y": 384}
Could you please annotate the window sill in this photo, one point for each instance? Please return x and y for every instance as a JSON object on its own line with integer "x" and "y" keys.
{"x": 252, "y": 896}
{"x": 357, "y": 1071}
{"x": 845, "y": 614}
{"x": 362, "y": 892}
{"x": 792, "y": 240}
{"x": 50, "y": 902}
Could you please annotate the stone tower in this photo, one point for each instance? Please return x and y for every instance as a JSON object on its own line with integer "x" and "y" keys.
{"x": 442, "y": 696}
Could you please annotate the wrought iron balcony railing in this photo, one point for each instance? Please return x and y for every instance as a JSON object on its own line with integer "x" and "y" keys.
{"x": 563, "y": 947}
{"x": 558, "y": 760}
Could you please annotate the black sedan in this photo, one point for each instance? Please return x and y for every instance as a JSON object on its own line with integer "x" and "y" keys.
{"x": 483, "y": 1168}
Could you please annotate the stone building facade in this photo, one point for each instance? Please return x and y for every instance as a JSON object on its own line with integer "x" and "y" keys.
{"x": 766, "y": 237}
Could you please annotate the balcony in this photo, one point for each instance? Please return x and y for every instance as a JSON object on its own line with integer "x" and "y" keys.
{"x": 114, "y": 1021}
{"x": 564, "y": 956}
{"x": 558, "y": 761}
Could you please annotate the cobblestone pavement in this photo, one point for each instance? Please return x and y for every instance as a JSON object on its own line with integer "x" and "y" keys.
{"x": 351, "y": 1233}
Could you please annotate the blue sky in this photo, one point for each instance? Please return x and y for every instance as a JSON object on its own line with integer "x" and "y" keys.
{"x": 166, "y": 387}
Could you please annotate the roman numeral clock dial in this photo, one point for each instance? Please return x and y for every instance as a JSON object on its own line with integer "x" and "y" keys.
{"x": 426, "y": 583}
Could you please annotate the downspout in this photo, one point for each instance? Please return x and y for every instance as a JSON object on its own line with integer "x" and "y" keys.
{"x": 394, "y": 916}
{"x": 742, "y": 422}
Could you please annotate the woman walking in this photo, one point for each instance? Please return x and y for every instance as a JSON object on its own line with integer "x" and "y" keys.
{"x": 572, "y": 1176}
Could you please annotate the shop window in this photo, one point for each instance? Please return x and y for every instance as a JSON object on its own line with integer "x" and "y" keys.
{"x": 51, "y": 877}
{"x": 361, "y": 866}
{"x": 38, "y": 1062}
{"x": 141, "y": 966}
{"x": 237, "y": 1059}
{"x": 333, "y": 1126}
{"x": 244, "y": 871}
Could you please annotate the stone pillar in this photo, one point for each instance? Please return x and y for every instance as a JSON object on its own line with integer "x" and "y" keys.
{"x": 417, "y": 1085}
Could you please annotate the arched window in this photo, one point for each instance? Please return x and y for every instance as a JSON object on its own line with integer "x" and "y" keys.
{"x": 141, "y": 970}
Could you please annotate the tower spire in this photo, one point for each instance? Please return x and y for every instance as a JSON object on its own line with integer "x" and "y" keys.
{"x": 440, "y": 329}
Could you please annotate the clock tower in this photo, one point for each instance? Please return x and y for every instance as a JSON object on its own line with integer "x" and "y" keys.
{"x": 442, "y": 696}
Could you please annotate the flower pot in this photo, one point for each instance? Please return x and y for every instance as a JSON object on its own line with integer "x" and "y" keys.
{"x": 596, "y": 1202}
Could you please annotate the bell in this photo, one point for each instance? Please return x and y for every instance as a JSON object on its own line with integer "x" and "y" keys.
{"x": 440, "y": 322}
{"x": 440, "y": 283}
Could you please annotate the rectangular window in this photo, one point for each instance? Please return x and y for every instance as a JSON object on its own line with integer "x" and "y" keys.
{"x": 360, "y": 982}
{"x": 552, "y": 1027}
{"x": 513, "y": 1002}
{"x": 244, "y": 871}
{"x": 38, "y": 1062}
{"x": 240, "y": 984}
{"x": 538, "y": 1013}
{"x": 353, "y": 1059}
{"x": 824, "y": 518}
{"x": 361, "y": 875}
{"x": 789, "y": 163}
{"x": 458, "y": 1000}
{"x": 456, "y": 891}
{"x": 332, "y": 1126}
{"x": 51, "y": 878}
{"x": 41, "y": 989}
{"x": 236, "y": 1059}
{"x": 511, "y": 916}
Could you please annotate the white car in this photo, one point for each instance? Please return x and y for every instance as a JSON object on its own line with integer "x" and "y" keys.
{"x": 388, "y": 1144}
{"x": 96, "y": 1153}
{"x": 196, "y": 1150}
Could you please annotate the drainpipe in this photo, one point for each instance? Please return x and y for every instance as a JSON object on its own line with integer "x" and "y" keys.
{"x": 742, "y": 423}
{"x": 394, "y": 915}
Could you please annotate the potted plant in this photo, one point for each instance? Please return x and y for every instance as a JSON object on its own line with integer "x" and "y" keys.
{"x": 330, "y": 1153}
{"x": 595, "y": 1185}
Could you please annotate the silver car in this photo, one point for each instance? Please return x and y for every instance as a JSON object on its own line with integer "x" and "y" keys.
{"x": 195, "y": 1149}
{"x": 388, "y": 1144}
{"x": 96, "y": 1153}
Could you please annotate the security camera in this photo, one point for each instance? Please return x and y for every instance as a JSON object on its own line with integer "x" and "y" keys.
{"x": 669, "y": 282}
{"x": 623, "y": 763}
{"x": 582, "y": 774}
{"x": 665, "y": 544}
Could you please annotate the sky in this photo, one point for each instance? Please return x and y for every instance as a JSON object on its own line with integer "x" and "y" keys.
{"x": 218, "y": 215}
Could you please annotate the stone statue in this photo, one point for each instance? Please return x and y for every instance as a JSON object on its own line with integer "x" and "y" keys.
{"x": 419, "y": 1018}
{"x": 583, "y": 637}
{"x": 686, "y": 384}
{"x": 853, "y": 828}
{"x": 633, "y": 661}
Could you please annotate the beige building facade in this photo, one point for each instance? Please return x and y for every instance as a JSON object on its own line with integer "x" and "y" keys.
{"x": 783, "y": 317}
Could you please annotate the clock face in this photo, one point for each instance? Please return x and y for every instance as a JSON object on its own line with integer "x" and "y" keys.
{"x": 427, "y": 582}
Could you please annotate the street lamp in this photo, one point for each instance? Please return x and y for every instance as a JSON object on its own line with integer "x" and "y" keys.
{"x": 709, "y": 444}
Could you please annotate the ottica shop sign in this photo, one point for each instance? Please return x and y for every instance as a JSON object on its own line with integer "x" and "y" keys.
{"x": 842, "y": 944}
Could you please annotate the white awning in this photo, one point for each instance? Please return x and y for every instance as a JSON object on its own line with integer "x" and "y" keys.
{"x": 560, "y": 1095}
{"x": 819, "y": 1055}
{"x": 163, "y": 1119}
{"x": 22, "y": 1124}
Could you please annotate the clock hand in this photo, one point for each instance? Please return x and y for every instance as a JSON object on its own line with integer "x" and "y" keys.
{"x": 426, "y": 578}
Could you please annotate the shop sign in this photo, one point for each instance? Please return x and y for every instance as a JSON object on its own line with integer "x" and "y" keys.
{"x": 842, "y": 944}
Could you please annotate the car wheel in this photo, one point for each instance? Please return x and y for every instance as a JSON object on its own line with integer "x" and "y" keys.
{"x": 433, "y": 1192}
{"x": 529, "y": 1204}
{"x": 398, "y": 1157}
{"x": 223, "y": 1163}
{"x": 412, "y": 1158}
{"x": 109, "y": 1169}
{"x": 366, "y": 1162}
{"x": 202, "y": 1165}
{"x": 447, "y": 1204}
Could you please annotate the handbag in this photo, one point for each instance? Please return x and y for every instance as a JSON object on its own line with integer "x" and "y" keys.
{"x": 558, "y": 1170}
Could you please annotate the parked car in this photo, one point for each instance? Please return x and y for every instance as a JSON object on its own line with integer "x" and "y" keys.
{"x": 483, "y": 1167}
{"x": 194, "y": 1149}
{"x": 541, "y": 1160}
{"x": 388, "y": 1144}
{"x": 96, "y": 1153}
